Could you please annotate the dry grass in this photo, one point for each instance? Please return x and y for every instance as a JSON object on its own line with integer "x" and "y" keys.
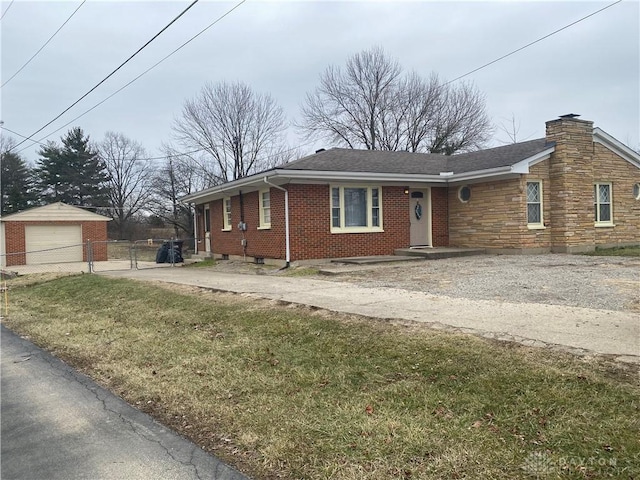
{"x": 289, "y": 392}
{"x": 617, "y": 252}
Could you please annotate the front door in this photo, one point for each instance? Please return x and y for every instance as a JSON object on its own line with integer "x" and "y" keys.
{"x": 420, "y": 214}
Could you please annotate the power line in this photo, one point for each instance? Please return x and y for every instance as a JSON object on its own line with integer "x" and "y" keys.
{"x": 139, "y": 76}
{"x": 112, "y": 73}
{"x": 180, "y": 154}
{"x": 532, "y": 43}
{"x": 7, "y": 9}
{"x": 45, "y": 43}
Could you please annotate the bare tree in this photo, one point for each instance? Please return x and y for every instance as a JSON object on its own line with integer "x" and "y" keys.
{"x": 350, "y": 105}
{"x": 236, "y": 128}
{"x": 129, "y": 178}
{"x": 181, "y": 174}
{"x": 372, "y": 104}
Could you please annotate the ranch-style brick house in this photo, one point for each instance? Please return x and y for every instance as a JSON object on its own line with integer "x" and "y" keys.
{"x": 572, "y": 191}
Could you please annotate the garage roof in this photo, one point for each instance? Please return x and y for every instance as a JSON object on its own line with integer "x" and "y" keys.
{"x": 55, "y": 212}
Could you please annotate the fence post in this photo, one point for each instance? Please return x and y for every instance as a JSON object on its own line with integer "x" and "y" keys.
{"x": 90, "y": 256}
{"x": 172, "y": 253}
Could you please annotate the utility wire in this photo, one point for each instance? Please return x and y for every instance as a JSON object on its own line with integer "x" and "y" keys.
{"x": 139, "y": 76}
{"x": 45, "y": 43}
{"x": 531, "y": 43}
{"x": 7, "y": 9}
{"x": 180, "y": 154}
{"x": 113, "y": 72}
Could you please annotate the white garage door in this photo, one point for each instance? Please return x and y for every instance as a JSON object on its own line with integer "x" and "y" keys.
{"x": 53, "y": 243}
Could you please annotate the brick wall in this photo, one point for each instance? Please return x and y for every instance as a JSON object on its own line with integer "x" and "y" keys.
{"x": 439, "y": 216}
{"x": 310, "y": 226}
{"x": 96, "y": 232}
{"x": 15, "y": 239}
{"x": 260, "y": 243}
{"x": 609, "y": 168}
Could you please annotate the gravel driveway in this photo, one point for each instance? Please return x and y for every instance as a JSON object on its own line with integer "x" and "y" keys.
{"x": 609, "y": 283}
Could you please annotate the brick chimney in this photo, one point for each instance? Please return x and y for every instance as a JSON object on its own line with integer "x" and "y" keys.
{"x": 571, "y": 184}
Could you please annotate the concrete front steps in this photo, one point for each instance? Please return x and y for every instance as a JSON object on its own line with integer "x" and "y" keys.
{"x": 436, "y": 253}
{"x": 412, "y": 254}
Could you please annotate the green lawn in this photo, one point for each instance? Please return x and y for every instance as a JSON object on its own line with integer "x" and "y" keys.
{"x": 617, "y": 252}
{"x": 290, "y": 392}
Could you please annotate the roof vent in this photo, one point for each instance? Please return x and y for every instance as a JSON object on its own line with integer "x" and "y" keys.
{"x": 320, "y": 150}
{"x": 570, "y": 115}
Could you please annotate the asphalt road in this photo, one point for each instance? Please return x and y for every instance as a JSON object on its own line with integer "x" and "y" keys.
{"x": 58, "y": 424}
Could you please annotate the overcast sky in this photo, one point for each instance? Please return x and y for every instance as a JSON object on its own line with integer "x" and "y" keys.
{"x": 281, "y": 47}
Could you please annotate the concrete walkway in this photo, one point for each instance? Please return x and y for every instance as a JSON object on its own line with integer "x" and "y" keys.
{"x": 580, "y": 330}
{"x": 58, "y": 424}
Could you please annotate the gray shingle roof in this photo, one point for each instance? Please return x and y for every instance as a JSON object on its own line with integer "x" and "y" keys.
{"x": 379, "y": 161}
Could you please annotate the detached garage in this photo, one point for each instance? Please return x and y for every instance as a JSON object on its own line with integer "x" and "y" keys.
{"x": 55, "y": 233}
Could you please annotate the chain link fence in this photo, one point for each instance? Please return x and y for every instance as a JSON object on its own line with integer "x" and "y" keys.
{"x": 99, "y": 256}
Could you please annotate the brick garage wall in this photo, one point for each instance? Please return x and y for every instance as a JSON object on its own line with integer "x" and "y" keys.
{"x": 15, "y": 243}
{"x": 95, "y": 232}
{"x": 494, "y": 217}
{"x": 440, "y": 216}
{"x": 610, "y": 168}
{"x": 15, "y": 239}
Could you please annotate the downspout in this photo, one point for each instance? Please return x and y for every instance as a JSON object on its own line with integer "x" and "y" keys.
{"x": 286, "y": 220}
{"x": 195, "y": 228}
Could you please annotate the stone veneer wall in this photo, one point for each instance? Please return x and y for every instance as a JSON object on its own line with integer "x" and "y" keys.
{"x": 494, "y": 217}
{"x": 610, "y": 168}
{"x": 571, "y": 185}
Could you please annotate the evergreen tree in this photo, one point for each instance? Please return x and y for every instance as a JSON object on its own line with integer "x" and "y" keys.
{"x": 16, "y": 184}
{"x": 72, "y": 173}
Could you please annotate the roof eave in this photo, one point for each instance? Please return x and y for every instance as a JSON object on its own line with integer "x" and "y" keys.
{"x": 283, "y": 176}
{"x": 603, "y": 138}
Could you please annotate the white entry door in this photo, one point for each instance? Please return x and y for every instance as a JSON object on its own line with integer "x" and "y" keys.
{"x": 420, "y": 214}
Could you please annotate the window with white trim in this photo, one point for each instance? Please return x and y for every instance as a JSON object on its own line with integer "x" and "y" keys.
{"x": 265, "y": 209}
{"x": 534, "y": 204}
{"x": 356, "y": 209}
{"x": 226, "y": 213}
{"x": 602, "y": 203}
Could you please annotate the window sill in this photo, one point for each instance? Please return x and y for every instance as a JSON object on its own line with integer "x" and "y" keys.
{"x": 535, "y": 226}
{"x": 604, "y": 225}
{"x": 266, "y": 227}
{"x": 357, "y": 230}
{"x": 226, "y": 229}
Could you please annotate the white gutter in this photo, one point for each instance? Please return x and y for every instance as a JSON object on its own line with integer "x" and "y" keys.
{"x": 286, "y": 219}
